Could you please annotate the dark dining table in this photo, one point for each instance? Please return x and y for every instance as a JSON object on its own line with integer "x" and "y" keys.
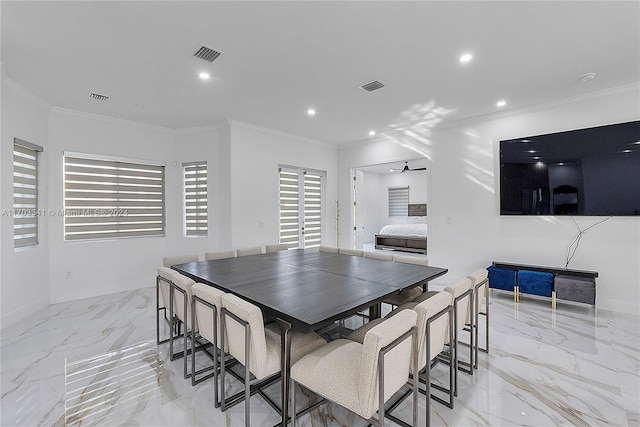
{"x": 306, "y": 290}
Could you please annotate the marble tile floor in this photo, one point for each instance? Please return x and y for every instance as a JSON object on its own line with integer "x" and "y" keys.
{"x": 95, "y": 362}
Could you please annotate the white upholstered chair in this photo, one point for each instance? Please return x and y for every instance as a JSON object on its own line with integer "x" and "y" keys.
{"x": 163, "y": 284}
{"x": 206, "y": 304}
{"x": 329, "y": 249}
{"x": 462, "y": 294}
{"x": 180, "y": 306}
{"x": 249, "y": 251}
{"x": 379, "y": 255}
{"x": 352, "y": 252}
{"x": 254, "y": 346}
{"x": 276, "y": 247}
{"x": 479, "y": 282}
{"x": 361, "y": 377}
{"x": 212, "y": 256}
{"x": 434, "y": 323}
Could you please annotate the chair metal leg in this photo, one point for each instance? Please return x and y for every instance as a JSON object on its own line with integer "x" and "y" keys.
{"x": 292, "y": 390}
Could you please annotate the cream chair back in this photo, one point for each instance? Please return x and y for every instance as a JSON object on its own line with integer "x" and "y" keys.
{"x": 212, "y": 256}
{"x": 276, "y": 248}
{"x": 184, "y": 283}
{"x": 204, "y": 314}
{"x": 438, "y": 330}
{"x": 179, "y": 259}
{"x": 397, "y": 361}
{"x": 234, "y": 334}
{"x": 464, "y": 304}
{"x": 249, "y": 251}
{"x": 379, "y": 255}
{"x": 352, "y": 252}
{"x": 408, "y": 259}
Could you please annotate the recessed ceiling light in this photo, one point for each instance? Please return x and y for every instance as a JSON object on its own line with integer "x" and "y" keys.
{"x": 466, "y": 58}
{"x": 204, "y": 76}
{"x": 311, "y": 112}
{"x": 372, "y": 132}
{"x": 501, "y": 103}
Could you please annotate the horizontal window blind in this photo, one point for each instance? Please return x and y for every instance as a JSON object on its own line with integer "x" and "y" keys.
{"x": 195, "y": 193}
{"x": 289, "y": 208}
{"x": 25, "y": 193}
{"x": 108, "y": 198}
{"x": 312, "y": 209}
{"x": 398, "y": 201}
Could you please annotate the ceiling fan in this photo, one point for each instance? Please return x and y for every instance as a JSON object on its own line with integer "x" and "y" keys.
{"x": 407, "y": 169}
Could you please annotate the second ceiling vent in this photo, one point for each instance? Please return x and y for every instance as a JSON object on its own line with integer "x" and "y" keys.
{"x": 206, "y": 53}
{"x": 371, "y": 86}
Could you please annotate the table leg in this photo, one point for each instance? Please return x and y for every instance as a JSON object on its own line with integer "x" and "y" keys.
{"x": 375, "y": 311}
{"x": 285, "y": 366}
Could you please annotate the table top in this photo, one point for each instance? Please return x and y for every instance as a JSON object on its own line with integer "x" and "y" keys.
{"x": 308, "y": 288}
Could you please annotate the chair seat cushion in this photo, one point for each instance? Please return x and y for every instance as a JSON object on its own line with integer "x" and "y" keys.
{"x": 425, "y": 296}
{"x": 333, "y": 372}
{"x": 405, "y": 296}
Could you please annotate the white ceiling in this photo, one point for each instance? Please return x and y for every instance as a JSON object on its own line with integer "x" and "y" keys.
{"x": 281, "y": 58}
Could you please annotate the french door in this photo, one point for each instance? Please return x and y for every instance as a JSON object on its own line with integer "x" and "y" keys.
{"x": 301, "y": 207}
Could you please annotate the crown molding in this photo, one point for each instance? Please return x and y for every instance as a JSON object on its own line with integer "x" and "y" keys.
{"x": 14, "y": 85}
{"x": 112, "y": 120}
{"x": 237, "y": 123}
{"x": 531, "y": 108}
{"x": 450, "y": 124}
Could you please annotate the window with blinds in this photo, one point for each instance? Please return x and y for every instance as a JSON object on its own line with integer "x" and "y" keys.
{"x": 106, "y": 198}
{"x": 398, "y": 201}
{"x": 195, "y": 195}
{"x": 301, "y": 207}
{"x": 25, "y": 193}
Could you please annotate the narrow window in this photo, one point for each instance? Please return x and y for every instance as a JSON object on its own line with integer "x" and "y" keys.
{"x": 195, "y": 198}
{"x": 25, "y": 193}
{"x": 398, "y": 201}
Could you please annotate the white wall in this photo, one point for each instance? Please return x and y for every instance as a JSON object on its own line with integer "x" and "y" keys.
{"x": 255, "y": 155}
{"x": 465, "y": 229}
{"x": 24, "y": 279}
{"x": 83, "y": 269}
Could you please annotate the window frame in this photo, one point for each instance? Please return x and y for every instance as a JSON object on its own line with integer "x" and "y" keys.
{"x": 198, "y": 209}
{"x": 395, "y": 200}
{"x": 127, "y": 175}
{"x": 28, "y": 213}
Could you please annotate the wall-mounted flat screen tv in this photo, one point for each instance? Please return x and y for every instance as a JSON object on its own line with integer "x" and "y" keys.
{"x": 594, "y": 171}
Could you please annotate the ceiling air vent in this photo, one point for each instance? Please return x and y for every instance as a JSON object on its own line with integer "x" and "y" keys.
{"x": 206, "y": 53}
{"x": 374, "y": 85}
{"x": 98, "y": 97}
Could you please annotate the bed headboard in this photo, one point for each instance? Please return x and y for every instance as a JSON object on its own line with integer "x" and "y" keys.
{"x": 417, "y": 209}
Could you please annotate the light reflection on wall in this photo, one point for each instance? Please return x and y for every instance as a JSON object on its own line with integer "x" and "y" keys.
{"x": 478, "y": 159}
{"x": 412, "y": 128}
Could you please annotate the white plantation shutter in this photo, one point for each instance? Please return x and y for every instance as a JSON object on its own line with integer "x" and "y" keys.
{"x": 398, "y": 201}
{"x": 289, "y": 208}
{"x": 300, "y": 207}
{"x": 312, "y": 209}
{"x": 107, "y": 198}
{"x": 25, "y": 193}
{"x": 195, "y": 193}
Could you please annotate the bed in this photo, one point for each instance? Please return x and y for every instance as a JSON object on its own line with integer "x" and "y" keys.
{"x": 403, "y": 237}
